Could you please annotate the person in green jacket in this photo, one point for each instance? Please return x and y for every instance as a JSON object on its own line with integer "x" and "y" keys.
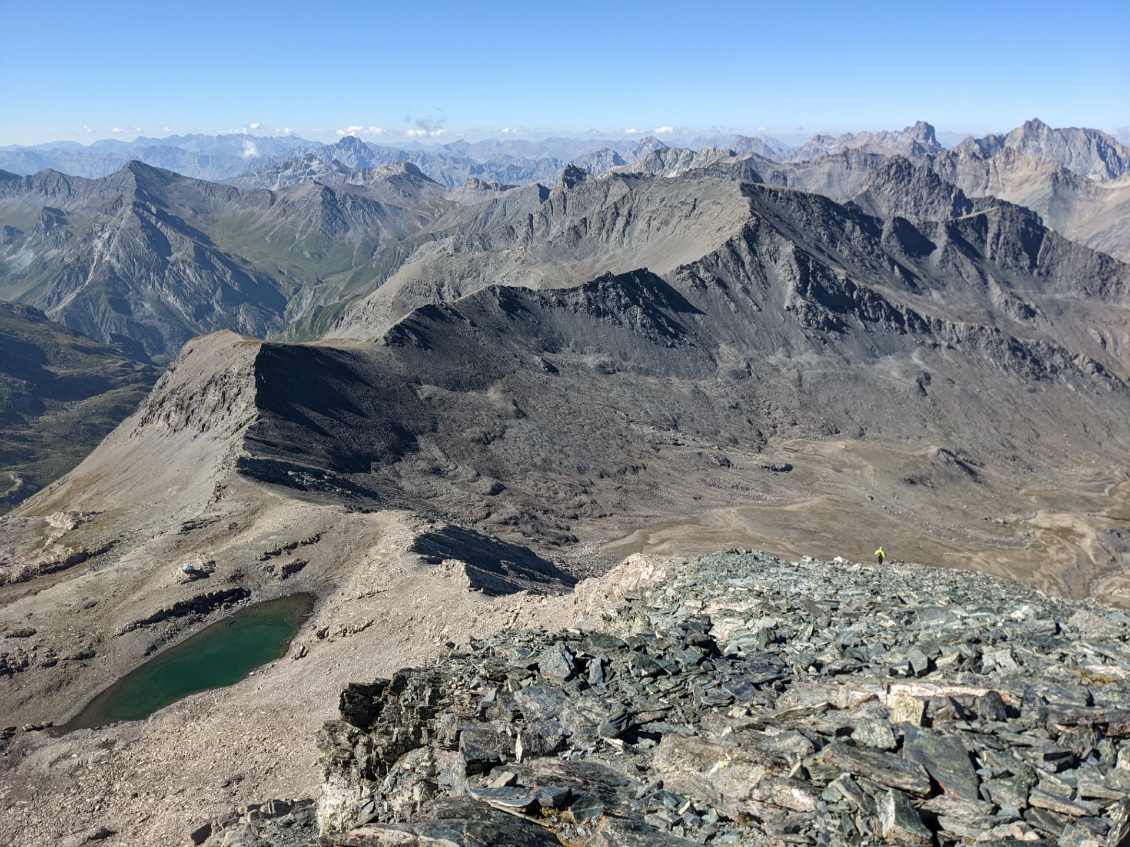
{"x": 879, "y": 556}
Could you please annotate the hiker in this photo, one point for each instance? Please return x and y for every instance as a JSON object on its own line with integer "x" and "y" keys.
{"x": 879, "y": 556}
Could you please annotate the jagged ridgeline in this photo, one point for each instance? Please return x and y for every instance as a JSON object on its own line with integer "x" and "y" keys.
{"x": 149, "y": 257}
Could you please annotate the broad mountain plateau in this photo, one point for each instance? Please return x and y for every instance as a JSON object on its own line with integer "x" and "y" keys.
{"x": 437, "y": 409}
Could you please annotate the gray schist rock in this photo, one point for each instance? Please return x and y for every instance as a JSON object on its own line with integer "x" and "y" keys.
{"x": 749, "y": 700}
{"x": 945, "y": 759}
{"x": 900, "y": 821}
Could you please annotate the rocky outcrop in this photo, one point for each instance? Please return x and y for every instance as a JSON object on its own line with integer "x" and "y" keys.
{"x": 56, "y": 558}
{"x": 744, "y": 699}
{"x": 900, "y": 188}
{"x": 201, "y": 604}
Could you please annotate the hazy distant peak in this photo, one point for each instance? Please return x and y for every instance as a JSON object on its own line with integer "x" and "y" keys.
{"x": 403, "y": 168}
{"x": 913, "y": 141}
{"x": 645, "y": 146}
{"x": 923, "y": 133}
{"x": 351, "y": 142}
{"x": 768, "y": 148}
{"x": 1086, "y": 152}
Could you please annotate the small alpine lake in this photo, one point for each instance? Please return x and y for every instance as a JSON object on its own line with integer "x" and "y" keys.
{"x": 221, "y": 654}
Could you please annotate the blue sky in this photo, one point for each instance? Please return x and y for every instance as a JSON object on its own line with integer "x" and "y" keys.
{"x": 435, "y": 70}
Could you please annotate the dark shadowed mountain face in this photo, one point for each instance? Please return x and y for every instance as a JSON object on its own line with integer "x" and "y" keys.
{"x": 60, "y": 393}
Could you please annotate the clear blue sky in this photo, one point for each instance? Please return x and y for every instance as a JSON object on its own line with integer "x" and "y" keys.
{"x": 76, "y": 69}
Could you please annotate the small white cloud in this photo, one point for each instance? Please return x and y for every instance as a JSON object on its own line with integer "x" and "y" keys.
{"x": 87, "y": 129}
{"x": 250, "y": 150}
{"x": 287, "y": 131}
{"x": 256, "y": 125}
{"x": 117, "y": 130}
{"x": 632, "y": 131}
{"x": 663, "y": 130}
{"x": 357, "y": 130}
{"x": 424, "y": 133}
{"x": 166, "y": 129}
{"x": 763, "y": 129}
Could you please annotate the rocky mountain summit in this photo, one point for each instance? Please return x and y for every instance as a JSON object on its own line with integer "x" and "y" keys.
{"x": 743, "y": 699}
{"x": 913, "y": 141}
{"x": 1087, "y": 152}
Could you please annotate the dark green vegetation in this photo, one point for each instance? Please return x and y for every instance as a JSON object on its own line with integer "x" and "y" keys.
{"x": 222, "y": 654}
{"x": 60, "y": 393}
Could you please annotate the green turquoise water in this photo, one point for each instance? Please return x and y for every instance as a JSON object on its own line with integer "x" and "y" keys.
{"x": 222, "y": 654}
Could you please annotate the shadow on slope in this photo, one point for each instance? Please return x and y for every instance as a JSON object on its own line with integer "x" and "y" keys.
{"x": 491, "y": 565}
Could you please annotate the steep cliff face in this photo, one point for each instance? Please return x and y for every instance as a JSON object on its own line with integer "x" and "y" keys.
{"x": 1087, "y": 152}
{"x": 179, "y": 444}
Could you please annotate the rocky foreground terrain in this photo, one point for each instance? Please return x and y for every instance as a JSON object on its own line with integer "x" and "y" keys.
{"x": 740, "y": 698}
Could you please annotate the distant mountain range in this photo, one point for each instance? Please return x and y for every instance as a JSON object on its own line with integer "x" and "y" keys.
{"x": 146, "y": 258}
{"x": 273, "y": 162}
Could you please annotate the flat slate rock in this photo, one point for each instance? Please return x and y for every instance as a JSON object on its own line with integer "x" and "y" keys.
{"x": 946, "y": 760}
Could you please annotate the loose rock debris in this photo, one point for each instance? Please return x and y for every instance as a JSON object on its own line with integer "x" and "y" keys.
{"x": 751, "y": 700}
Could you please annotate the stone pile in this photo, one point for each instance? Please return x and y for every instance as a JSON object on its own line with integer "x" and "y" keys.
{"x": 751, "y": 700}
{"x": 277, "y": 823}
